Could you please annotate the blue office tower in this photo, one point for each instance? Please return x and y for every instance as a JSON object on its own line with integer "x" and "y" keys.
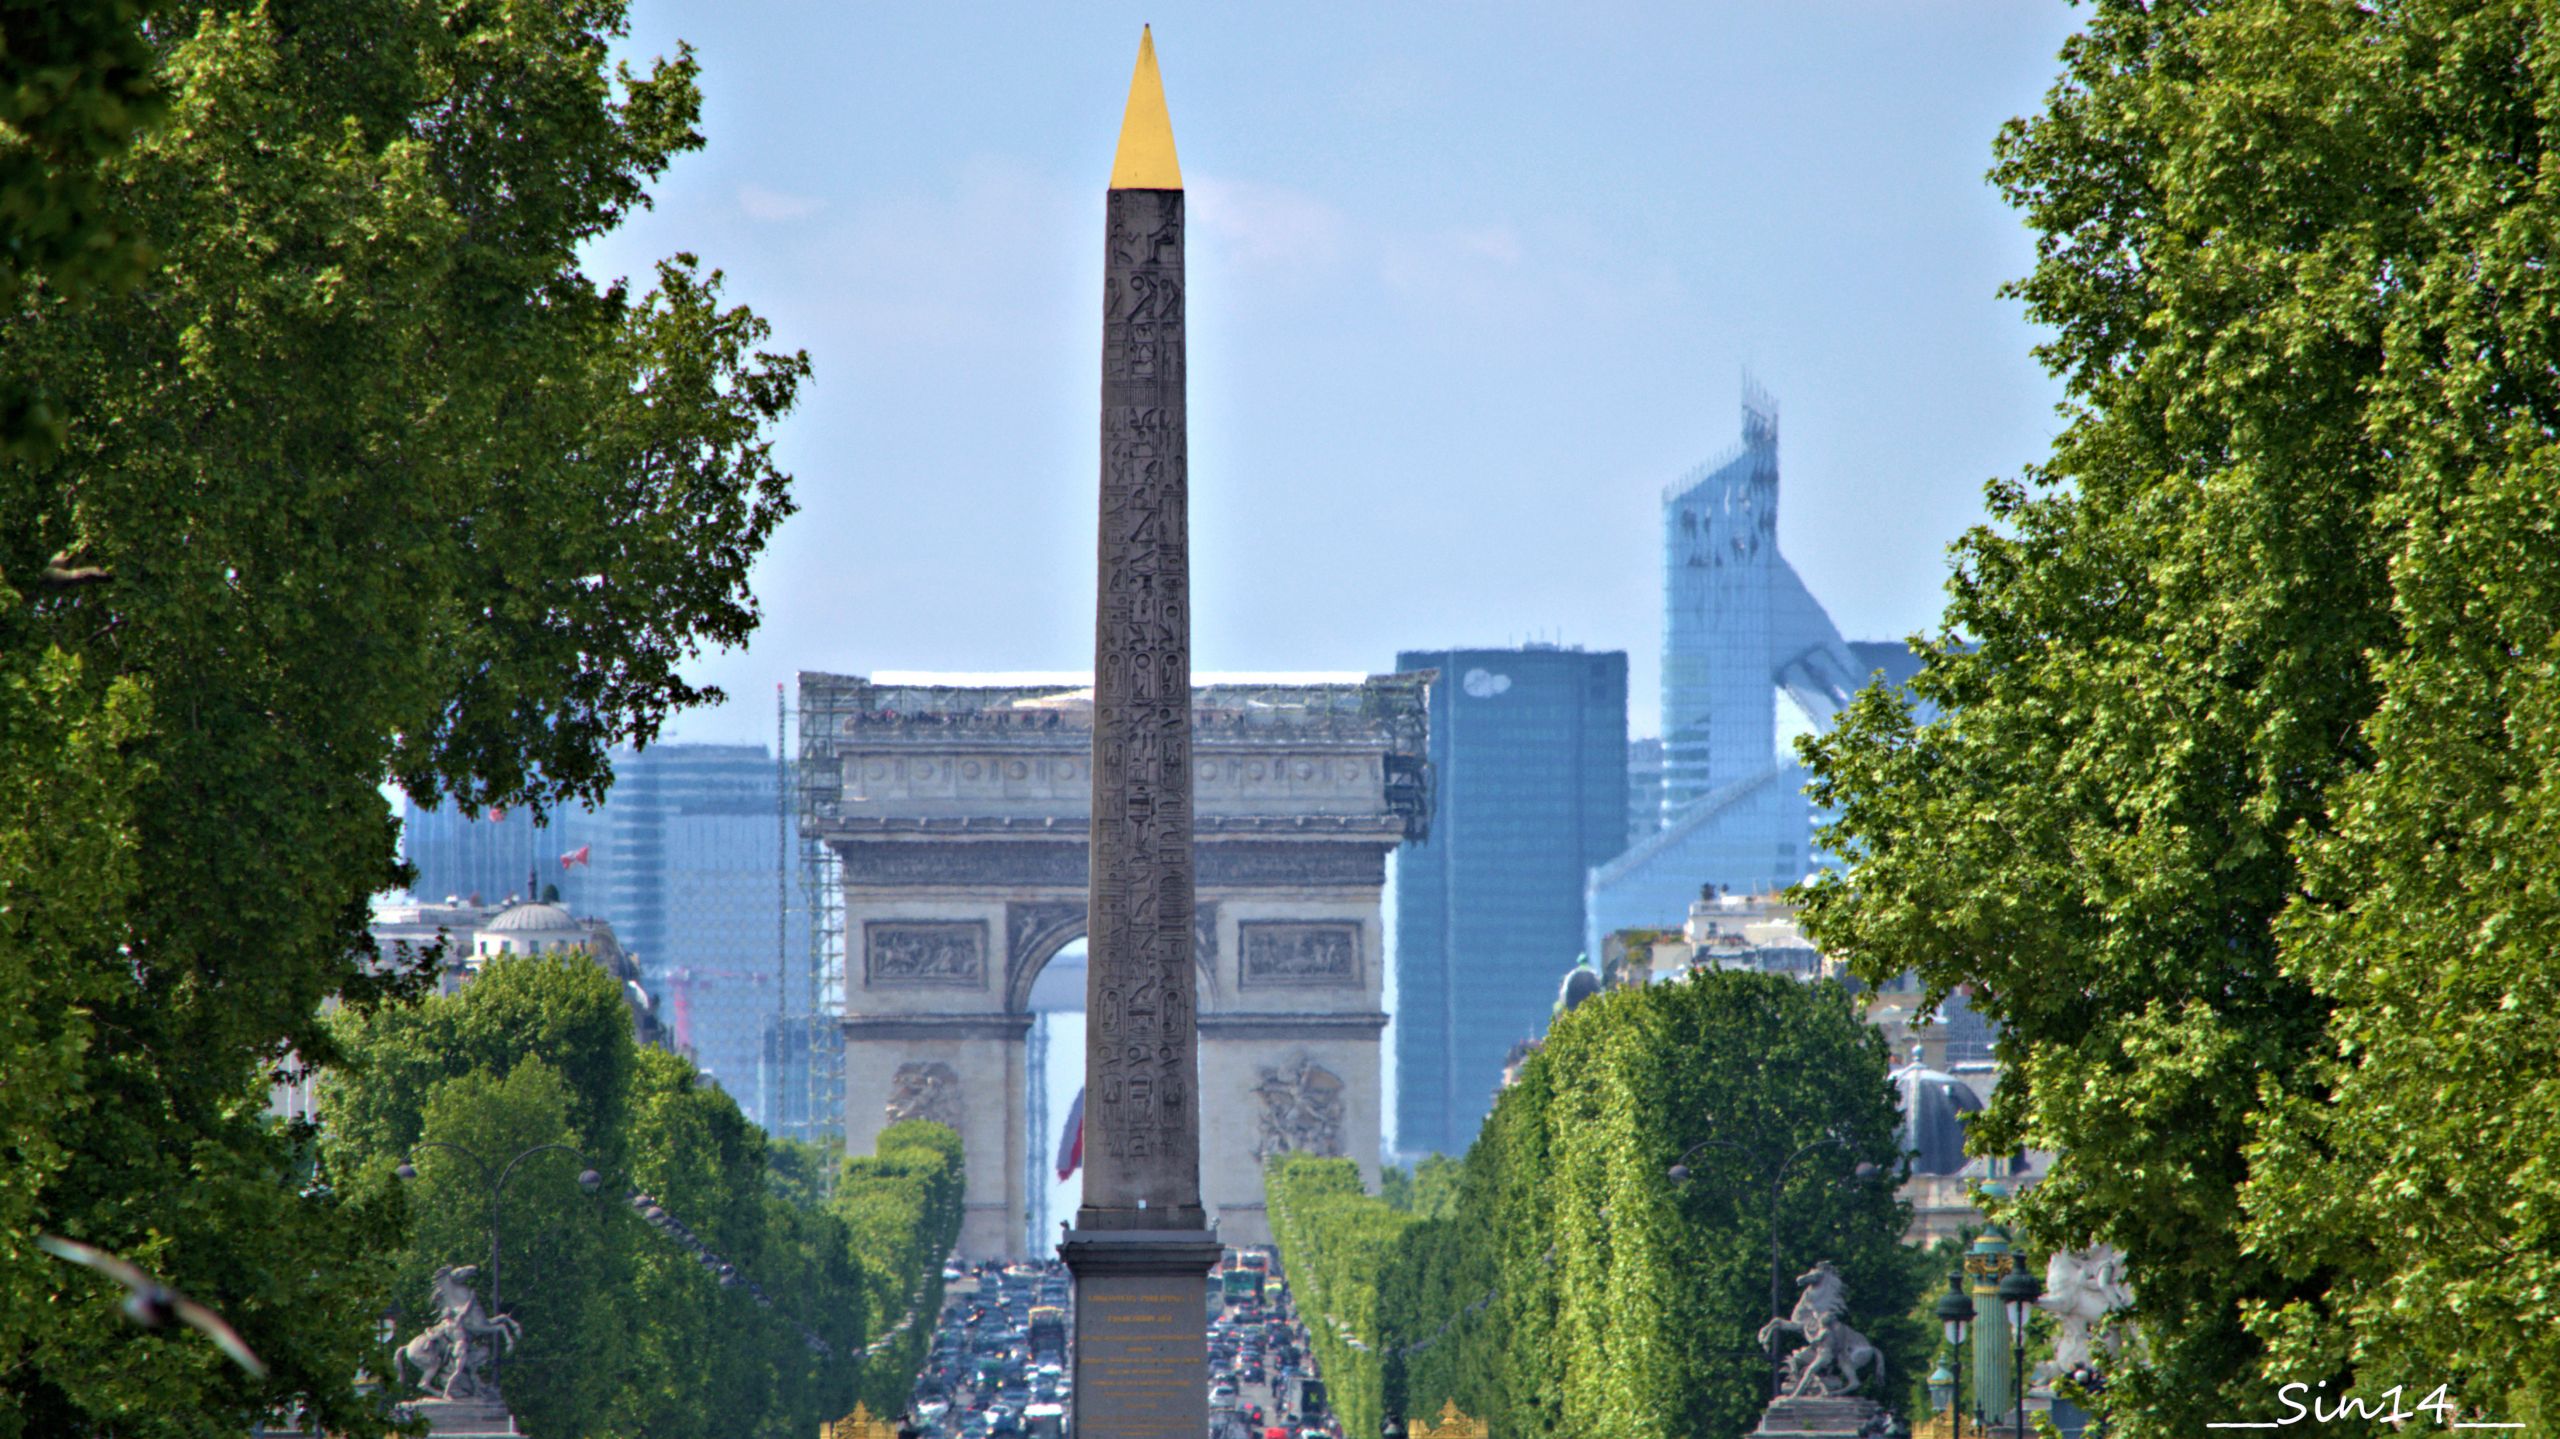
{"x": 1529, "y": 780}
{"x": 698, "y": 876}
{"x": 1738, "y": 627}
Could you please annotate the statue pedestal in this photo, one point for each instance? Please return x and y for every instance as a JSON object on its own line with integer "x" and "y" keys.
{"x": 1839, "y": 1416}
{"x": 478, "y": 1418}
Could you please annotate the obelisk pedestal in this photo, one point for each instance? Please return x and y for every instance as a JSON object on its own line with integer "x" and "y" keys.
{"x": 1141, "y": 1248}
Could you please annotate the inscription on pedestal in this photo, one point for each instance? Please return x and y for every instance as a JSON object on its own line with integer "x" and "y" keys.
{"x": 1141, "y": 1358}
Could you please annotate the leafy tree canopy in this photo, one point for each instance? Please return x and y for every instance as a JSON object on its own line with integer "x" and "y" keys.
{"x": 364, "y": 480}
{"x": 625, "y": 1328}
{"x": 2233, "y": 812}
{"x": 76, "y": 86}
{"x": 901, "y": 1208}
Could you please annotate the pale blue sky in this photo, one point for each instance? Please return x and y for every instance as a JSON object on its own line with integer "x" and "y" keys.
{"x": 1470, "y": 285}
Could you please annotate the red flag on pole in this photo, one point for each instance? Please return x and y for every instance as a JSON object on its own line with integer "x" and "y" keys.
{"x": 578, "y": 856}
{"x": 1071, "y": 1140}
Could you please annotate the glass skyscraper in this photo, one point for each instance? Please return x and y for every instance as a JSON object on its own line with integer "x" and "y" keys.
{"x": 696, "y": 875}
{"x": 499, "y": 854}
{"x": 1529, "y": 780}
{"x": 1720, "y": 555}
{"x": 1738, "y": 627}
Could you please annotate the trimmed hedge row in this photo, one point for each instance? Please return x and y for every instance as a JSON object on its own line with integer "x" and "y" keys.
{"x": 901, "y": 1208}
{"x": 1574, "y": 1289}
{"x": 1336, "y": 1244}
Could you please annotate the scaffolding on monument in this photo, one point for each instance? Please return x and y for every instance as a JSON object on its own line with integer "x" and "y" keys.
{"x": 809, "y": 1040}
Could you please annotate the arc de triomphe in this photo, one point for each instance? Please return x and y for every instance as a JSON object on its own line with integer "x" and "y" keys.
{"x": 956, "y": 807}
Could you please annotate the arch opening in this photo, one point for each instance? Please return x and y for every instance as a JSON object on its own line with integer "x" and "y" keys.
{"x": 1052, "y": 1076}
{"x": 1051, "y": 990}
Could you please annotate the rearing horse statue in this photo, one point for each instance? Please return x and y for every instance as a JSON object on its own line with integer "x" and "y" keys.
{"x": 450, "y": 1355}
{"x": 1835, "y": 1359}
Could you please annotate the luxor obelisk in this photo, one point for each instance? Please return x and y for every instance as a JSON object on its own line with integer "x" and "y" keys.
{"x": 1141, "y": 1248}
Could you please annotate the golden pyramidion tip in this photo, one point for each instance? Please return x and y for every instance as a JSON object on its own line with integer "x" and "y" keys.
{"x": 1145, "y": 160}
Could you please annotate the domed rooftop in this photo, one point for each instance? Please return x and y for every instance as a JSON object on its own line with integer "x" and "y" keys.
{"x": 533, "y": 916}
{"x": 1580, "y": 983}
{"x": 1934, "y": 1106}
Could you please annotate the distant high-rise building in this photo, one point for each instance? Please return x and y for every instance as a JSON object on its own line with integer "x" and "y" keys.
{"x": 486, "y": 859}
{"x": 1738, "y": 627}
{"x": 1895, "y": 663}
{"x": 686, "y": 857}
{"x": 1529, "y": 761}
{"x": 1644, "y": 789}
{"x": 696, "y": 883}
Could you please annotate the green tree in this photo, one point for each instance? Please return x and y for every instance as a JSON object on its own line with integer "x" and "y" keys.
{"x": 625, "y": 1330}
{"x": 1395, "y": 1187}
{"x": 2417, "y": 1175}
{"x": 560, "y": 1271}
{"x": 816, "y": 1280}
{"x": 705, "y": 1357}
{"x": 1570, "y": 1286}
{"x": 901, "y": 1207}
{"x": 1429, "y": 1189}
{"x": 803, "y": 1174}
{"x": 568, "y": 1013}
{"x": 67, "y": 872}
{"x": 1339, "y": 1248}
{"x": 368, "y": 481}
{"x": 75, "y": 88}
{"x": 1435, "y": 1186}
{"x": 2242, "y": 701}
{"x": 1662, "y": 1286}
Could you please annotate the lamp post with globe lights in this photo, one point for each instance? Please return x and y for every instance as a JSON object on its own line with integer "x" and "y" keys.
{"x": 1955, "y": 1318}
{"x": 2019, "y": 1291}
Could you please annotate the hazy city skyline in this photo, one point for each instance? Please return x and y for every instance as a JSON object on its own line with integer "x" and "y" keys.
{"x": 1470, "y": 289}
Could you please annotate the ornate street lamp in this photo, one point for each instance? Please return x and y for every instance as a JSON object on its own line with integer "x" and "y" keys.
{"x": 1942, "y": 1388}
{"x": 1955, "y": 1318}
{"x": 2019, "y": 1291}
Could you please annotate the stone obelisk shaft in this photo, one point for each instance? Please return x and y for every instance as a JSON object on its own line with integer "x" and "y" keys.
{"x": 1142, "y": 1121}
{"x": 1141, "y": 1248}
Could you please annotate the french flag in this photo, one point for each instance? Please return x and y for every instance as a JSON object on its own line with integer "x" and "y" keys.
{"x": 580, "y": 855}
{"x": 1071, "y": 1140}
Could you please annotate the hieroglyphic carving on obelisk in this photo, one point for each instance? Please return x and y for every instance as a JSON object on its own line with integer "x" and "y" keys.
{"x": 1142, "y": 1150}
{"x": 1141, "y": 1247}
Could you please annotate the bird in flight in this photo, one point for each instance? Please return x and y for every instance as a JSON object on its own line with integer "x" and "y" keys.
{"x": 151, "y": 1303}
